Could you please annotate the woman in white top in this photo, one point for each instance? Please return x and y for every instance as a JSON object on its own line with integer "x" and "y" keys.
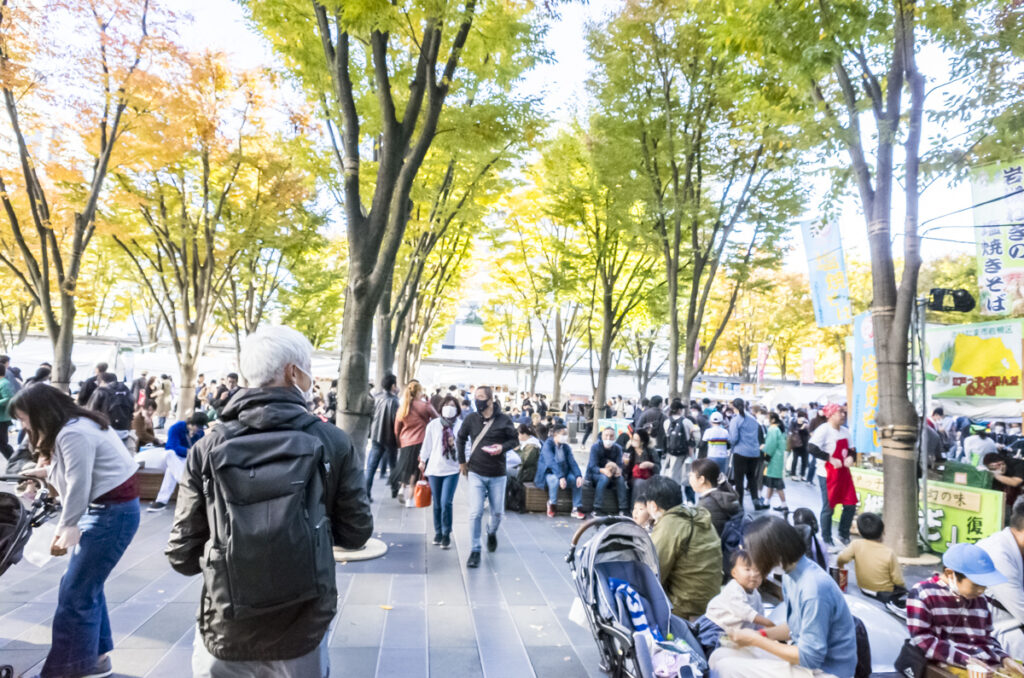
{"x": 439, "y": 461}
{"x": 83, "y": 457}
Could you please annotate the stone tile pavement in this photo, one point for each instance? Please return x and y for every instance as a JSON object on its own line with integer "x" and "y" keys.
{"x": 417, "y": 612}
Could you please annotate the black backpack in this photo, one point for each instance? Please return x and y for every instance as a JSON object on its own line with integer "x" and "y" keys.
{"x": 732, "y": 534}
{"x": 863, "y": 669}
{"x": 677, "y": 443}
{"x": 270, "y": 538}
{"x": 118, "y": 407}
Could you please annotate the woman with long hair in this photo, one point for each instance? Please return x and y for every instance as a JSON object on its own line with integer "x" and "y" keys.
{"x": 640, "y": 461}
{"x": 439, "y": 462}
{"x": 414, "y": 413}
{"x": 83, "y": 457}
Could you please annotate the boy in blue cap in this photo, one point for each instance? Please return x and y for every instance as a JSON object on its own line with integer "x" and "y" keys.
{"x": 948, "y": 616}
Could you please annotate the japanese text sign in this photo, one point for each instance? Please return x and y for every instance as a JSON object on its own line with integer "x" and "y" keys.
{"x": 826, "y": 266}
{"x": 999, "y": 232}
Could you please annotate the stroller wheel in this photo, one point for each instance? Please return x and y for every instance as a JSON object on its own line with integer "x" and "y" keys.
{"x": 6, "y": 671}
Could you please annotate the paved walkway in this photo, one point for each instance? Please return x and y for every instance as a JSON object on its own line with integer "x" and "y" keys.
{"x": 415, "y": 612}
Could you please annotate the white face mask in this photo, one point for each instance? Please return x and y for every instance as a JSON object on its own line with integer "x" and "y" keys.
{"x": 562, "y": 439}
{"x": 307, "y": 395}
{"x": 607, "y": 443}
{"x": 448, "y": 411}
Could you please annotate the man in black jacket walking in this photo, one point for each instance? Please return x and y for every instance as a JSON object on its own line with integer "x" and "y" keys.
{"x": 488, "y": 433}
{"x": 383, "y": 443}
{"x": 285, "y": 486}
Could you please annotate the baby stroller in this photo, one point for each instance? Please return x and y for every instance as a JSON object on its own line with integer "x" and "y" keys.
{"x": 16, "y": 525}
{"x": 622, "y": 552}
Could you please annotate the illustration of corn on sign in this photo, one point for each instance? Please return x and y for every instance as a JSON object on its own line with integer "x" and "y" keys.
{"x": 975, "y": 361}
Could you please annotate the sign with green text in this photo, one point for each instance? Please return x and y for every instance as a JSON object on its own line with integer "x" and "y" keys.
{"x": 956, "y": 513}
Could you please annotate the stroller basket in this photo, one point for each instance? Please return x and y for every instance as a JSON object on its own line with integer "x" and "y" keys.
{"x": 621, "y": 552}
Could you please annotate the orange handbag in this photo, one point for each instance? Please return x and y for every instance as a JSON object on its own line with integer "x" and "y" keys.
{"x": 421, "y": 495}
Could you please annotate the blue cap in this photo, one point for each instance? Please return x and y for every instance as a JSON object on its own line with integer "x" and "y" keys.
{"x": 972, "y": 561}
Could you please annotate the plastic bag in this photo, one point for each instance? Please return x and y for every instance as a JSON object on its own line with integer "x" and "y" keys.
{"x": 37, "y": 550}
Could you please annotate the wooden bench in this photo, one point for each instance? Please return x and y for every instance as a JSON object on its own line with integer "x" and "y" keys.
{"x": 149, "y": 484}
{"x": 537, "y": 499}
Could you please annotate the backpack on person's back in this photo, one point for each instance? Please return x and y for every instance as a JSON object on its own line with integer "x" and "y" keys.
{"x": 677, "y": 443}
{"x": 118, "y": 406}
{"x": 265, "y": 496}
{"x": 732, "y": 534}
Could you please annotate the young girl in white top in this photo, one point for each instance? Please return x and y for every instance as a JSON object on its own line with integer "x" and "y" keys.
{"x": 440, "y": 464}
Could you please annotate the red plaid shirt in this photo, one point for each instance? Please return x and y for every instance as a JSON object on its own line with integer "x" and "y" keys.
{"x": 948, "y": 627}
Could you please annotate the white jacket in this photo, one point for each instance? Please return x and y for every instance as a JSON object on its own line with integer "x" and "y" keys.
{"x": 432, "y": 450}
{"x": 1005, "y": 553}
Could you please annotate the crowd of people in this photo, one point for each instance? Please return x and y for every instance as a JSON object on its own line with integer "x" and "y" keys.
{"x": 683, "y": 471}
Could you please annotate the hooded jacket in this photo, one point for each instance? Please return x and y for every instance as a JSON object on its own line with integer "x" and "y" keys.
{"x": 690, "y": 558}
{"x": 293, "y": 631}
{"x": 722, "y": 503}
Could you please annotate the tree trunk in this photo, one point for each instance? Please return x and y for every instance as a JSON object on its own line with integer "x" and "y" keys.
{"x": 354, "y": 402}
{"x": 673, "y": 336}
{"x": 187, "y": 385}
{"x": 385, "y": 358}
{"x": 63, "y": 368}
{"x": 605, "y": 361}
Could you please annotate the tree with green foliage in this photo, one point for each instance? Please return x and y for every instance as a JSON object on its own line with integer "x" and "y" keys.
{"x": 584, "y": 188}
{"x": 711, "y": 136}
{"x": 383, "y": 74}
{"x": 856, "y": 62}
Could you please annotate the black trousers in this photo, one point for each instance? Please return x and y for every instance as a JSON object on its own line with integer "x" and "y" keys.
{"x": 744, "y": 470}
{"x": 5, "y": 447}
{"x": 799, "y": 455}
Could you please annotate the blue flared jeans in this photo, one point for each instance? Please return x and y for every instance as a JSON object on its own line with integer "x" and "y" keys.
{"x": 81, "y": 626}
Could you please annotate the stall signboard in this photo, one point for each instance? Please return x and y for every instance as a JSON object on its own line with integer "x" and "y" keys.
{"x": 861, "y": 419}
{"x": 826, "y": 268}
{"x": 956, "y": 513}
{"x": 998, "y": 192}
{"x": 975, "y": 361}
{"x": 620, "y": 425}
{"x": 808, "y": 356}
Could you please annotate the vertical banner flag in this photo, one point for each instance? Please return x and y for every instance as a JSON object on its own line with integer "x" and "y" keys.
{"x": 762, "y": 360}
{"x": 865, "y": 387}
{"x": 808, "y": 355}
{"x": 827, "y": 273}
{"x": 999, "y": 230}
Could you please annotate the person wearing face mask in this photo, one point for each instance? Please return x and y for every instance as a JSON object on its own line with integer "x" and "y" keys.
{"x": 689, "y": 550}
{"x": 557, "y": 469}
{"x": 440, "y": 464}
{"x": 269, "y": 590}
{"x": 411, "y": 421}
{"x": 948, "y": 616}
{"x": 605, "y": 468}
{"x": 482, "y": 461}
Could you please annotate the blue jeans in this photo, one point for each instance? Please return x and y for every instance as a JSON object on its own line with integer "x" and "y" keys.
{"x": 812, "y": 468}
{"x": 81, "y": 626}
{"x": 845, "y": 518}
{"x": 378, "y": 455}
{"x": 723, "y": 465}
{"x": 570, "y": 482}
{"x": 601, "y": 481}
{"x": 493, "y": 490}
{"x": 442, "y": 489}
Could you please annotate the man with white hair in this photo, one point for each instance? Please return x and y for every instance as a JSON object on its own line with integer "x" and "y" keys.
{"x": 263, "y": 498}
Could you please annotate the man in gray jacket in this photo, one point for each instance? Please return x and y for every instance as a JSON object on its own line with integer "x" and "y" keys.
{"x": 1006, "y": 548}
{"x": 264, "y": 496}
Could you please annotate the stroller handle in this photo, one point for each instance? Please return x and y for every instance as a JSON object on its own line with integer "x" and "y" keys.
{"x": 40, "y": 483}
{"x": 593, "y": 522}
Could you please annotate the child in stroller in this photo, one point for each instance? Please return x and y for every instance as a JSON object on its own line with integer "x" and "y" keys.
{"x": 617, "y": 579}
